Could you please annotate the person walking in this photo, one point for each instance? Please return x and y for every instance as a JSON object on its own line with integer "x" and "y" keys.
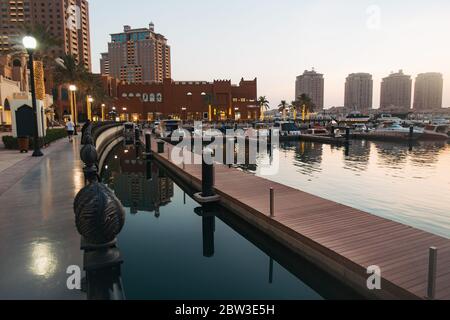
{"x": 70, "y": 127}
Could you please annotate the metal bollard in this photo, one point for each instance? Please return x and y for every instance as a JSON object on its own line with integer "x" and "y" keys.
{"x": 161, "y": 147}
{"x": 137, "y": 136}
{"x": 347, "y": 134}
{"x": 411, "y": 132}
{"x": 272, "y": 203}
{"x": 207, "y": 175}
{"x": 432, "y": 273}
{"x": 148, "y": 143}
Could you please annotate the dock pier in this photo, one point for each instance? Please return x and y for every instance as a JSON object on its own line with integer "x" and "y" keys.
{"x": 340, "y": 240}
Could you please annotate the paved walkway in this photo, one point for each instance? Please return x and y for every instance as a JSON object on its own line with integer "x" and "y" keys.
{"x": 38, "y": 238}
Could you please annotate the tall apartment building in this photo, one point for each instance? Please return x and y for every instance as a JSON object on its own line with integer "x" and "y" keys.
{"x": 428, "y": 91}
{"x": 66, "y": 20}
{"x": 359, "y": 92}
{"x": 104, "y": 64}
{"x": 312, "y": 84}
{"x": 396, "y": 90}
{"x": 137, "y": 56}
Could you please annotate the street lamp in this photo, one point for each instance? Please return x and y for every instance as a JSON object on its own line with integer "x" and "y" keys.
{"x": 103, "y": 112}
{"x": 208, "y": 99}
{"x": 73, "y": 104}
{"x": 30, "y": 45}
{"x": 89, "y": 100}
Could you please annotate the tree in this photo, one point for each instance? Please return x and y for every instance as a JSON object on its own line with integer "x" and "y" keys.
{"x": 304, "y": 101}
{"x": 68, "y": 71}
{"x": 263, "y": 104}
{"x": 46, "y": 41}
{"x": 283, "y": 107}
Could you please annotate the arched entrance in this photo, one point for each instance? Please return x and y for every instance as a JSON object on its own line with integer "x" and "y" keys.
{"x": 25, "y": 121}
{"x": 5, "y": 113}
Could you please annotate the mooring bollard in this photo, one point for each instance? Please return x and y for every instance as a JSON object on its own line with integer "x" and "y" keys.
{"x": 411, "y": 132}
{"x": 148, "y": 143}
{"x": 137, "y": 136}
{"x": 207, "y": 174}
{"x": 161, "y": 146}
{"x": 432, "y": 273}
{"x": 272, "y": 203}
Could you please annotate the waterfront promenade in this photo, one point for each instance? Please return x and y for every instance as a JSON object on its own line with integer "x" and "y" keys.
{"x": 341, "y": 240}
{"x": 38, "y": 238}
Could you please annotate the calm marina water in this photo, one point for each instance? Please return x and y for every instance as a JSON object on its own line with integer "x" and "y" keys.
{"x": 172, "y": 252}
{"x": 391, "y": 180}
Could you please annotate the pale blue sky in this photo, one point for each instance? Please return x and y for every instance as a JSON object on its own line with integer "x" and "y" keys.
{"x": 277, "y": 40}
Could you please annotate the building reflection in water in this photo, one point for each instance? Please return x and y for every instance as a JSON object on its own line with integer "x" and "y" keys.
{"x": 357, "y": 155}
{"x": 308, "y": 156}
{"x": 139, "y": 184}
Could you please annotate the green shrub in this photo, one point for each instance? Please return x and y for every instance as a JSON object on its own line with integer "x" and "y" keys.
{"x": 52, "y": 135}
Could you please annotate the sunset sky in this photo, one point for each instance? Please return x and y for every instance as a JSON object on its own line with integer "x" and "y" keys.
{"x": 277, "y": 40}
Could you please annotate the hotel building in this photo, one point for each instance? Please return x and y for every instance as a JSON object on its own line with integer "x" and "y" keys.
{"x": 312, "y": 84}
{"x": 396, "y": 90}
{"x": 137, "y": 56}
{"x": 66, "y": 20}
{"x": 428, "y": 91}
{"x": 359, "y": 92}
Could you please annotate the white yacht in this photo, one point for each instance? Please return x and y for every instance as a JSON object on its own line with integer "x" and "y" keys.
{"x": 393, "y": 130}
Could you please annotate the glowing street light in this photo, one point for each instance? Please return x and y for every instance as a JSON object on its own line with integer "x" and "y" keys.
{"x": 30, "y": 45}
{"x": 103, "y": 112}
{"x": 89, "y": 101}
{"x": 73, "y": 105}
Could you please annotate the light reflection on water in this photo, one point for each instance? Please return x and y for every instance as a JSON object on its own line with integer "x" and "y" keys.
{"x": 411, "y": 186}
{"x": 170, "y": 252}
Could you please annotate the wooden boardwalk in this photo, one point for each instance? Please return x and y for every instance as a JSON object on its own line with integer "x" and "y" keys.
{"x": 341, "y": 240}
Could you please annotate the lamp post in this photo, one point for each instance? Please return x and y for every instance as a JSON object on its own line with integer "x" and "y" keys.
{"x": 103, "y": 112}
{"x": 208, "y": 99}
{"x": 73, "y": 102}
{"x": 30, "y": 45}
{"x": 89, "y": 101}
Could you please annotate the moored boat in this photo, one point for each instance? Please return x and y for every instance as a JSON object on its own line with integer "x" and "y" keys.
{"x": 435, "y": 132}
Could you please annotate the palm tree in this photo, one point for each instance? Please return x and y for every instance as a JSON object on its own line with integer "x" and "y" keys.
{"x": 69, "y": 71}
{"x": 263, "y": 104}
{"x": 304, "y": 101}
{"x": 283, "y": 107}
{"x": 46, "y": 42}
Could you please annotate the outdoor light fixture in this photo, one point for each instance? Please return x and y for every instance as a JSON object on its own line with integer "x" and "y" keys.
{"x": 90, "y": 99}
{"x": 203, "y": 94}
{"x": 30, "y": 45}
{"x": 73, "y": 102}
{"x": 189, "y": 93}
{"x": 124, "y": 109}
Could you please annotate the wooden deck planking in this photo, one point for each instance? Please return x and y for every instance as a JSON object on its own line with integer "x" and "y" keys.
{"x": 353, "y": 235}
